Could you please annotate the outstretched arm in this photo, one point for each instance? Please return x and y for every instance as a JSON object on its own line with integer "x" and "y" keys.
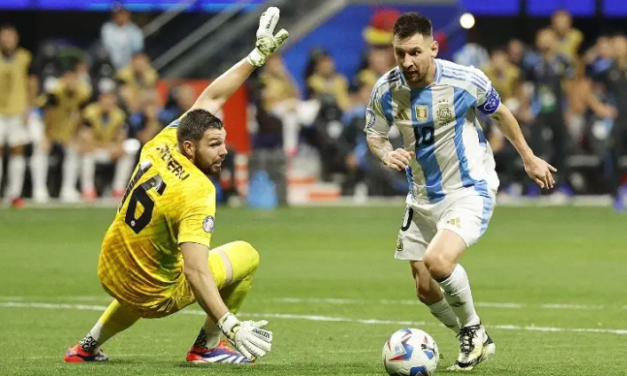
{"x": 215, "y": 95}
{"x": 537, "y": 169}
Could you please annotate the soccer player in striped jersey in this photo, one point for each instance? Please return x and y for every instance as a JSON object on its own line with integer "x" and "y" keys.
{"x": 450, "y": 169}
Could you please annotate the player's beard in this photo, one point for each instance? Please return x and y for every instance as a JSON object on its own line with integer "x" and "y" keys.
{"x": 207, "y": 168}
{"x": 417, "y": 75}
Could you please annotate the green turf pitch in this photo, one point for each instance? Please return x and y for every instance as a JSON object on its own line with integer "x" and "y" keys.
{"x": 325, "y": 272}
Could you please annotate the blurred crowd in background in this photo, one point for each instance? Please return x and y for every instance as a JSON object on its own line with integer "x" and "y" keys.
{"x": 72, "y": 122}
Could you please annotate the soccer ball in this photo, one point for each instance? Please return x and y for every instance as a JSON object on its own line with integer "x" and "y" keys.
{"x": 410, "y": 352}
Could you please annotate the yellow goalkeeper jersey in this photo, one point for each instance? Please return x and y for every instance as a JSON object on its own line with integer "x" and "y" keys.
{"x": 168, "y": 201}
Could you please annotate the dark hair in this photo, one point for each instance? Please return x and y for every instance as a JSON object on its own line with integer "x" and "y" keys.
{"x": 412, "y": 23}
{"x": 4, "y": 27}
{"x": 194, "y": 125}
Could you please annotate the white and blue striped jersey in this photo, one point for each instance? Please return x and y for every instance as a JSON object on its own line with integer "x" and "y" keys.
{"x": 439, "y": 124}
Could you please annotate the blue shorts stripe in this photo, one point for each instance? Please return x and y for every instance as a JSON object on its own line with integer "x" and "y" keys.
{"x": 482, "y": 188}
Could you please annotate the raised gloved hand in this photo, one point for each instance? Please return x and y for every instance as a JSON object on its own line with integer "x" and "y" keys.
{"x": 267, "y": 41}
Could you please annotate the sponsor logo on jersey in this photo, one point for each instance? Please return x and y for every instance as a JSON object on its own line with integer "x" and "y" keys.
{"x": 208, "y": 224}
{"x": 422, "y": 113}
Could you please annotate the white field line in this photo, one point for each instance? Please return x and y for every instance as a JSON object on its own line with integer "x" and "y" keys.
{"x": 337, "y": 301}
{"x": 416, "y": 302}
{"x": 323, "y": 318}
{"x": 570, "y": 306}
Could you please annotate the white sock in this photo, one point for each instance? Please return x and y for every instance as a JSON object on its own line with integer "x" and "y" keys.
{"x": 88, "y": 173}
{"x": 17, "y": 165}
{"x": 443, "y": 312}
{"x": 39, "y": 169}
{"x": 123, "y": 171}
{"x": 209, "y": 335}
{"x": 70, "y": 170}
{"x": 91, "y": 342}
{"x": 456, "y": 289}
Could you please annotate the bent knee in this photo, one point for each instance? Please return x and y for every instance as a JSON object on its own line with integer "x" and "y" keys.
{"x": 245, "y": 253}
{"x": 438, "y": 265}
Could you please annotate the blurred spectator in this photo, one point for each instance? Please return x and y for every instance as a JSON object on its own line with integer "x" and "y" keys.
{"x": 568, "y": 38}
{"x": 180, "y": 100}
{"x": 516, "y": 52}
{"x": 268, "y": 156}
{"x": 62, "y": 105}
{"x": 17, "y": 94}
{"x": 121, "y": 37}
{"x": 322, "y": 79}
{"x": 504, "y": 75}
{"x": 102, "y": 72}
{"x": 545, "y": 73}
{"x": 612, "y": 73}
{"x": 379, "y": 30}
{"x": 135, "y": 79}
{"x": 472, "y": 54}
{"x": 351, "y": 154}
{"x": 103, "y": 140}
{"x": 47, "y": 67}
{"x": 379, "y": 60}
{"x": 145, "y": 123}
{"x": 280, "y": 97}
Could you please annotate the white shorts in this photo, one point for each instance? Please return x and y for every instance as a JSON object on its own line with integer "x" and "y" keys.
{"x": 12, "y": 131}
{"x": 466, "y": 212}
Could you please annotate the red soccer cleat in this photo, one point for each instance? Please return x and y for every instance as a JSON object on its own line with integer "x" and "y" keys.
{"x": 90, "y": 195}
{"x": 17, "y": 203}
{"x": 219, "y": 354}
{"x": 77, "y": 355}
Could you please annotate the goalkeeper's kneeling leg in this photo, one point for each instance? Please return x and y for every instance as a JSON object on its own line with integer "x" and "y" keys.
{"x": 234, "y": 265}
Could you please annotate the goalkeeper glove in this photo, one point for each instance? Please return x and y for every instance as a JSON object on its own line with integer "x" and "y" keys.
{"x": 248, "y": 337}
{"x": 267, "y": 42}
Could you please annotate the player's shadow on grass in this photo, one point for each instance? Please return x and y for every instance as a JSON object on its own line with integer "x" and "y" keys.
{"x": 292, "y": 369}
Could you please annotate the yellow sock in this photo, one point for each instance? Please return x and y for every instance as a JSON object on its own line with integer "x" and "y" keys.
{"x": 115, "y": 319}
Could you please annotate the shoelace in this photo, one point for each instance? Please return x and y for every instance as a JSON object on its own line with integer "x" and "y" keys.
{"x": 466, "y": 337}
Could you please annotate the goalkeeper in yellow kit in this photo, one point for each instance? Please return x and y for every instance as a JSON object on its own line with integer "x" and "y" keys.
{"x": 155, "y": 257}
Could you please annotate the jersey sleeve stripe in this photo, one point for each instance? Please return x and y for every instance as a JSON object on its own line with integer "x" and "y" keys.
{"x": 473, "y": 74}
{"x": 386, "y": 105}
{"x": 463, "y": 79}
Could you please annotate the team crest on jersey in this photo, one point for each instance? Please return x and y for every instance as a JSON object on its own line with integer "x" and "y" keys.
{"x": 208, "y": 224}
{"x": 422, "y": 113}
{"x": 444, "y": 112}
